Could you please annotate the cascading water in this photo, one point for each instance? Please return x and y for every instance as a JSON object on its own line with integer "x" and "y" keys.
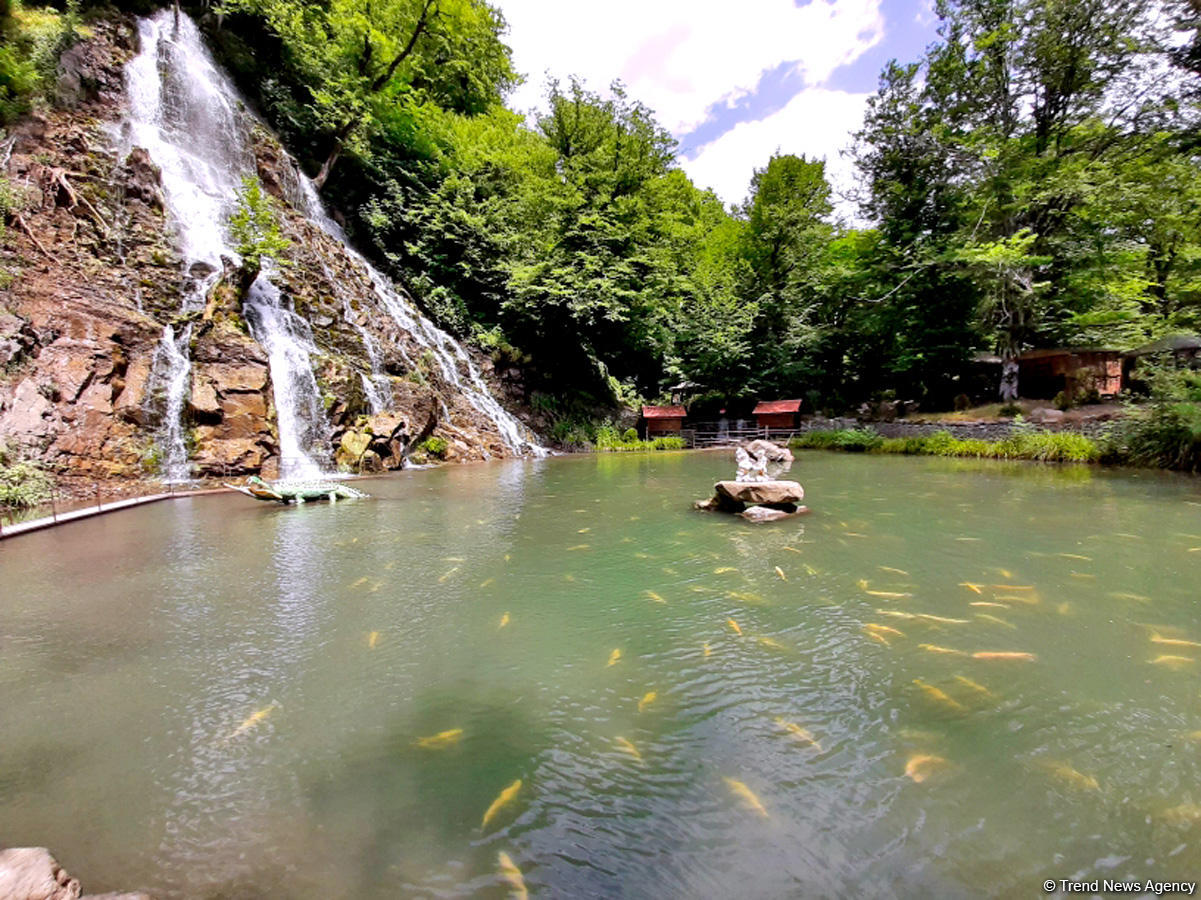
{"x": 188, "y": 117}
{"x": 190, "y": 127}
{"x": 288, "y": 341}
{"x": 452, "y": 359}
{"x": 186, "y": 113}
{"x": 169, "y": 372}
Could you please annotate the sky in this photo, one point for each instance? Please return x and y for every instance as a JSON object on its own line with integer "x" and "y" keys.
{"x": 734, "y": 82}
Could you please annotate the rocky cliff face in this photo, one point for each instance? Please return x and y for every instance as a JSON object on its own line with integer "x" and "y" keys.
{"x": 92, "y": 273}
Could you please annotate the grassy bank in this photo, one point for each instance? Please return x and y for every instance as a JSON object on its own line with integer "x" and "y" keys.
{"x": 610, "y": 439}
{"x": 1165, "y": 438}
{"x": 1036, "y": 445}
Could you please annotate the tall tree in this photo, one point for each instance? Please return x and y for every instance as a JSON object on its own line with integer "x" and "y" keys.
{"x": 360, "y": 57}
{"x": 787, "y": 231}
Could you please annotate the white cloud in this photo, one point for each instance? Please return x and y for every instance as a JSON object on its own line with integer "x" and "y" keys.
{"x": 680, "y": 56}
{"x": 817, "y": 122}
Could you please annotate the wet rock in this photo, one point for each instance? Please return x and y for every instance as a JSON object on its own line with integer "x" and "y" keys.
{"x": 204, "y": 402}
{"x": 142, "y": 179}
{"x": 370, "y": 462}
{"x": 760, "y": 514}
{"x": 29, "y": 135}
{"x": 129, "y": 392}
{"x": 352, "y": 447}
{"x": 720, "y": 503}
{"x": 773, "y": 493}
{"x": 31, "y": 873}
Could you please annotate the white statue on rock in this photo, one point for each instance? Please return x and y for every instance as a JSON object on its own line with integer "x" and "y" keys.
{"x": 752, "y": 467}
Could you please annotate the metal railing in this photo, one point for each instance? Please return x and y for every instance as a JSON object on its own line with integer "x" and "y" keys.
{"x": 83, "y": 500}
{"x": 705, "y": 434}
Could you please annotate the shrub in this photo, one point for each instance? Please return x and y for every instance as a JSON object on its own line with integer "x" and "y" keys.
{"x": 1009, "y": 410}
{"x": 1167, "y": 436}
{"x": 434, "y": 446}
{"x": 814, "y": 440}
{"x": 857, "y": 440}
{"x": 962, "y": 402}
{"x": 607, "y": 438}
{"x": 22, "y": 484}
{"x": 573, "y": 433}
{"x": 906, "y": 445}
{"x": 1062, "y": 401}
{"x": 254, "y": 226}
{"x": 1022, "y": 444}
{"x": 31, "y": 41}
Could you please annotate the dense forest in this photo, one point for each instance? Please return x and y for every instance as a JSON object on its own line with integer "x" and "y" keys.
{"x": 1031, "y": 181}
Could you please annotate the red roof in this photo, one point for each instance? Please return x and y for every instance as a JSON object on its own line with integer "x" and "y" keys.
{"x": 777, "y": 406}
{"x": 663, "y": 412}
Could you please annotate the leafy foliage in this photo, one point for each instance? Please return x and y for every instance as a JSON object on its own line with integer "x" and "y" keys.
{"x": 1030, "y": 181}
{"x": 31, "y": 40}
{"x": 23, "y": 484}
{"x": 1034, "y": 445}
{"x": 254, "y": 225}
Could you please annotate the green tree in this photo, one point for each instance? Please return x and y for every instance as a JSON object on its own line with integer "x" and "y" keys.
{"x": 361, "y": 59}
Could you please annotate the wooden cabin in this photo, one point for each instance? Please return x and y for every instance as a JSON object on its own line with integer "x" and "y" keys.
{"x": 663, "y": 421}
{"x": 778, "y": 413}
{"x": 1076, "y": 372}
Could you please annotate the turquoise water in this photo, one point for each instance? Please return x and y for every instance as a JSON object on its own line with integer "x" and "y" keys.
{"x": 219, "y": 698}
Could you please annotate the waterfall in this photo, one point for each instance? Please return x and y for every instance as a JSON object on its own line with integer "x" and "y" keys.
{"x": 288, "y": 341}
{"x": 190, "y": 127}
{"x": 186, "y": 113}
{"x": 450, "y": 356}
{"x": 169, "y": 373}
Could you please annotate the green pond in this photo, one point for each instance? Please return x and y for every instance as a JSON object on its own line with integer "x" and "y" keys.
{"x": 214, "y": 697}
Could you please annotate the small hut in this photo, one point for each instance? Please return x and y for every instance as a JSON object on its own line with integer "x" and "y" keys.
{"x": 1185, "y": 349}
{"x": 1075, "y": 371}
{"x": 663, "y": 420}
{"x": 778, "y": 413}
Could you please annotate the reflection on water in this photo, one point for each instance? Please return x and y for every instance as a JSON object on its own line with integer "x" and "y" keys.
{"x": 965, "y": 678}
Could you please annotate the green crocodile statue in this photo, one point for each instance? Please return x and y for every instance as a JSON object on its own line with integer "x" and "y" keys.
{"x": 297, "y": 491}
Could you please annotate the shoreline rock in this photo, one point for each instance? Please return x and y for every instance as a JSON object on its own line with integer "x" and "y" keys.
{"x": 32, "y": 873}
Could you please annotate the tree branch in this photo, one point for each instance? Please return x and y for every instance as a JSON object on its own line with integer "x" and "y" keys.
{"x": 422, "y": 22}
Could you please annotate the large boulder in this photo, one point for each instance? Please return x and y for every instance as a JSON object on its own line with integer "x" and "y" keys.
{"x": 766, "y": 493}
{"x": 1044, "y": 415}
